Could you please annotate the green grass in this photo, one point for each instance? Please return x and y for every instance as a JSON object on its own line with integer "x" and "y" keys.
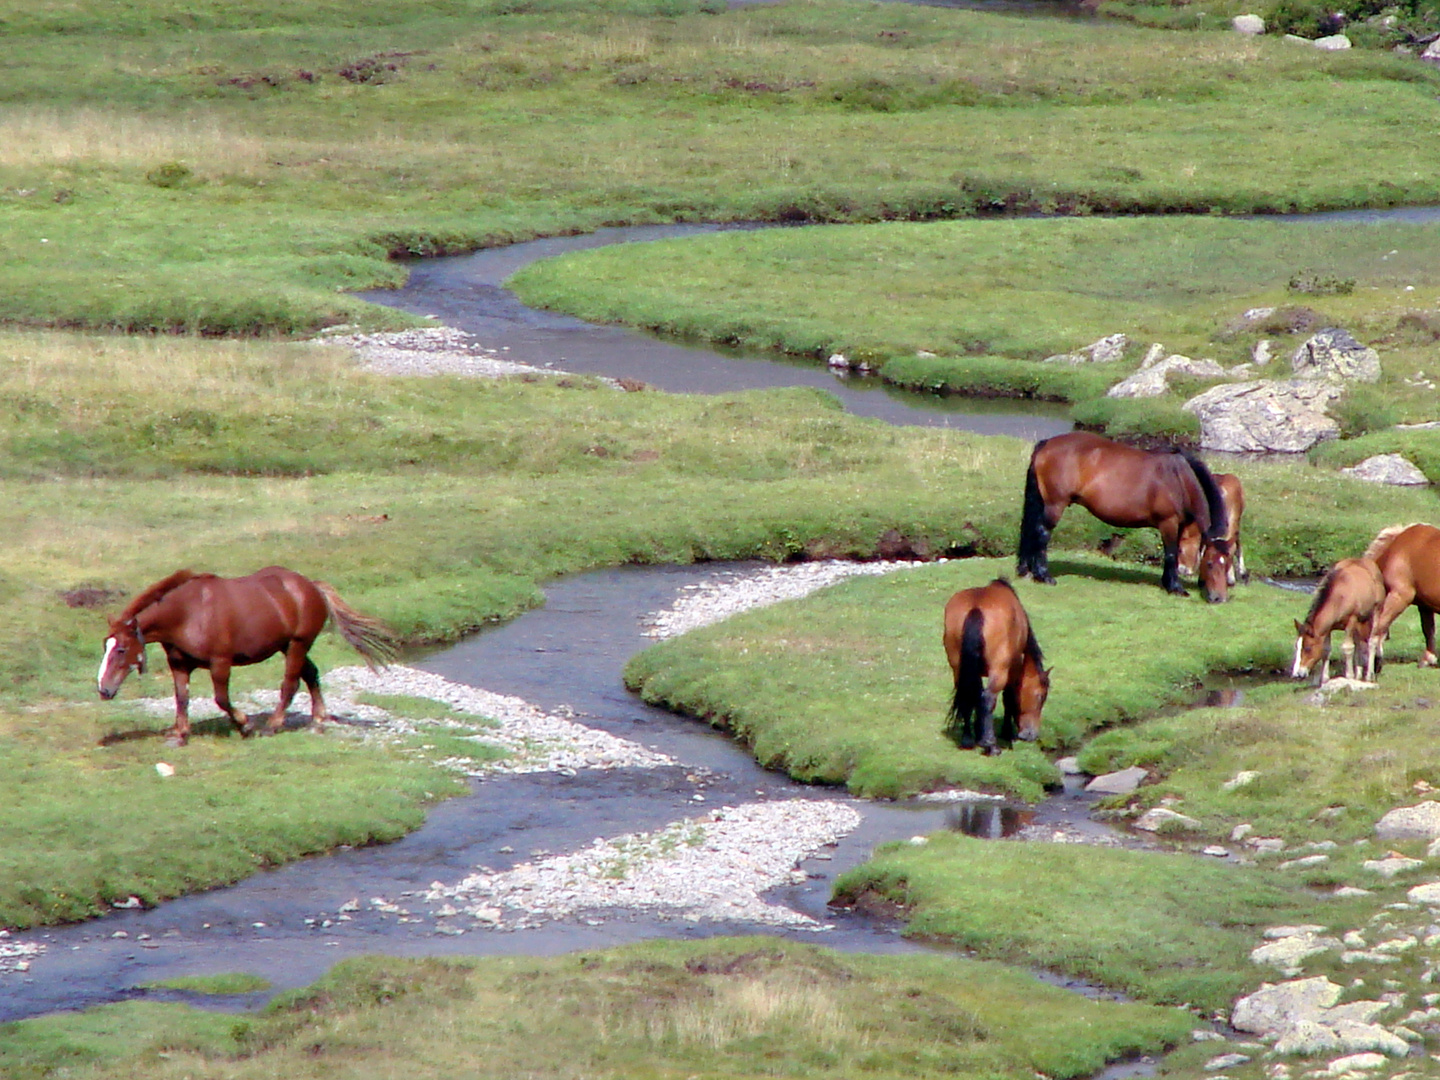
{"x": 1168, "y": 928}
{"x": 229, "y": 169}
{"x": 850, "y": 686}
{"x": 960, "y": 307}
{"x": 719, "y": 1008}
{"x": 238, "y": 982}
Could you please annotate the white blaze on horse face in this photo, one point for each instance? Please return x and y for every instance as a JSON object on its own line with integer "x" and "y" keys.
{"x": 1296, "y": 671}
{"x": 110, "y": 644}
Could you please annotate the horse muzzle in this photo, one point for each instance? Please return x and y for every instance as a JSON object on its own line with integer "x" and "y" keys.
{"x": 107, "y": 694}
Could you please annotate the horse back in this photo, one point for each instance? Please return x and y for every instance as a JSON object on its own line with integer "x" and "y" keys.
{"x": 1005, "y": 630}
{"x": 248, "y": 618}
{"x": 1411, "y": 561}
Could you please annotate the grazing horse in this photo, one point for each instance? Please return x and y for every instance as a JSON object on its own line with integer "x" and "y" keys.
{"x": 1234, "y": 496}
{"x": 1349, "y": 597}
{"x": 1409, "y": 561}
{"x": 994, "y": 656}
{"x": 1164, "y": 489}
{"x": 216, "y": 623}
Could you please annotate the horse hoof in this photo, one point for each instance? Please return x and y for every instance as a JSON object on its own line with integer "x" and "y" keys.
{"x": 1044, "y": 579}
{"x": 967, "y": 742}
{"x": 176, "y": 741}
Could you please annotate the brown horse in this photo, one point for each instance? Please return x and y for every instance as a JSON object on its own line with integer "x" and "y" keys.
{"x": 1164, "y": 489}
{"x": 1349, "y": 597}
{"x": 1409, "y": 561}
{"x": 216, "y": 623}
{"x": 1234, "y": 496}
{"x": 994, "y": 656}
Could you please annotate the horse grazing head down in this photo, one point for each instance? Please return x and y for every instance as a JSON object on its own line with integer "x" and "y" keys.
{"x": 124, "y": 652}
{"x": 1214, "y": 570}
{"x": 1034, "y": 689}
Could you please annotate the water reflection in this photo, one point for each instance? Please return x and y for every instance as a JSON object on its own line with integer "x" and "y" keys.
{"x": 988, "y": 821}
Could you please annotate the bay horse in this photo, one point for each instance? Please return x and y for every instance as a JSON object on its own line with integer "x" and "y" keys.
{"x": 1349, "y": 598}
{"x": 1409, "y": 561}
{"x": 215, "y": 623}
{"x": 994, "y": 657}
{"x": 1165, "y": 489}
{"x": 1234, "y": 495}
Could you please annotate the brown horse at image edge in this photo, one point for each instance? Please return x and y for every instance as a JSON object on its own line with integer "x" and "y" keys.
{"x": 215, "y": 623}
{"x": 1409, "y": 561}
{"x": 994, "y": 657}
{"x": 1166, "y": 489}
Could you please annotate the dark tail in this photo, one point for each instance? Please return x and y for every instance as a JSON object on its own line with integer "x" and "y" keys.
{"x": 370, "y": 637}
{"x": 1034, "y": 536}
{"x": 969, "y": 681}
{"x": 1219, "y": 520}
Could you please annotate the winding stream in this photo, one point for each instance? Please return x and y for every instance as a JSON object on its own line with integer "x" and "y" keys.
{"x": 466, "y": 291}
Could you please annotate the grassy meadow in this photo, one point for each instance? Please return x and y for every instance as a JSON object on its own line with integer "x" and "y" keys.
{"x": 967, "y": 307}
{"x": 704, "y": 1009}
{"x": 229, "y": 169}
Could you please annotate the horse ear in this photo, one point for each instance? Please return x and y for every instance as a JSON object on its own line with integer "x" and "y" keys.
{"x": 1299, "y": 628}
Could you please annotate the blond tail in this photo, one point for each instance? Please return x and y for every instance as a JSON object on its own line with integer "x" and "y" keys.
{"x": 370, "y": 637}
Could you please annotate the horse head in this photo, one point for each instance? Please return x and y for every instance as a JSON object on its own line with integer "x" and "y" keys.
{"x": 124, "y": 652}
{"x": 1034, "y": 689}
{"x": 1310, "y": 649}
{"x": 1214, "y": 570}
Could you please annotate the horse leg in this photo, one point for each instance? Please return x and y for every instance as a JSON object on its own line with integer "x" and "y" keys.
{"x": 1170, "y": 575}
{"x": 318, "y": 713}
{"x": 295, "y": 661}
{"x": 1427, "y": 627}
{"x": 180, "y": 733}
{"x": 1347, "y": 649}
{"x": 220, "y": 679}
{"x": 1237, "y": 567}
{"x": 985, "y": 720}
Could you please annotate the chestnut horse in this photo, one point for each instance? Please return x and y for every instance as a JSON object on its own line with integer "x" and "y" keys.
{"x": 1348, "y": 598}
{"x": 1234, "y": 496}
{"x": 994, "y": 657}
{"x": 216, "y": 623}
{"x": 1409, "y": 561}
{"x": 1165, "y": 489}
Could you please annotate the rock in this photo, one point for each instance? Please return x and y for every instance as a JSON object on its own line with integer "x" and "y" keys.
{"x": 1250, "y": 25}
{"x": 1153, "y": 355}
{"x": 1239, "y": 780}
{"x": 1160, "y": 817}
{"x": 1261, "y": 354}
{"x": 1105, "y": 351}
{"x": 1070, "y": 766}
{"x": 1225, "y": 1061}
{"x": 1288, "y": 952}
{"x": 1351, "y": 890}
{"x": 1418, "y": 822}
{"x": 1391, "y": 865}
{"x": 1154, "y": 380}
{"x": 1265, "y": 416}
{"x": 1431, "y": 55}
{"x": 1122, "y": 782}
{"x": 1428, "y": 893}
{"x": 1240, "y": 832}
{"x": 1273, "y": 1008}
{"x": 1333, "y": 43}
{"x": 1206, "y": 1035}
{"x": 1266, "y": 845}
{"x": 1334, "y": 355}
{"x": 1393, "y": 469}
{"x": 1216, "y": 851}
{"x": 1275, "y": 933}
{"x": 1303, "y": 863}
{"x": 1356, "y": 1063}
{"x": 1322, "y": 694}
